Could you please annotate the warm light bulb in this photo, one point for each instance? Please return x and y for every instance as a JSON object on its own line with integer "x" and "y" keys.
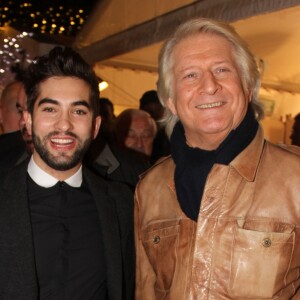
{"x": 103, "y": 85}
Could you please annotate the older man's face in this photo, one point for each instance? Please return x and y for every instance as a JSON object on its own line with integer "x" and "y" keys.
{"x": 208, "y": 95}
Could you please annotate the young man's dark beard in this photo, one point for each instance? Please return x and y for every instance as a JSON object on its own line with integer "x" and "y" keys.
{"x": 55, "y": 164}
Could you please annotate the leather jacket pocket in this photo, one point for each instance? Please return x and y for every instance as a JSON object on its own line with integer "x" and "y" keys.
{"x": 260, "y": 259}
{"x": 160, "y": 240}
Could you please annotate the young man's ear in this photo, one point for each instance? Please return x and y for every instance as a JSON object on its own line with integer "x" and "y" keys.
{"x": 97, "y": 123}
{"x": 28, "y": 121}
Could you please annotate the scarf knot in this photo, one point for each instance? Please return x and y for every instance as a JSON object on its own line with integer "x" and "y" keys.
{"x": 194, "y": 164}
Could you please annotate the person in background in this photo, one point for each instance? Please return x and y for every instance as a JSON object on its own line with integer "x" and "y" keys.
{"x": 106, "y": 112}
{"x": 107, "y": 116}
{"x": 21, "y": 106}
{"x": 11, "y": 142}
{"x": 295, "y": 135}
{"x": 9, "y": 118}
{"x": 135, "y": 129}
{"x": 127, "y": 154}
{"x": 150, "y": 103}
{"x": 220, "y": 217}
{"x": 65, "y": 233}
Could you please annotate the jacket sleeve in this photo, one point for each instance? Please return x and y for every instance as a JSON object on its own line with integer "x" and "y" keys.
{"x": 145, "y": 275}
{"x": 297, "y": 295}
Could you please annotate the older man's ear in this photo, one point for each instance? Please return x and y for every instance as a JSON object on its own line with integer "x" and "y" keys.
{"x": 250, "y": 94}
{"x": 171, "y": 106}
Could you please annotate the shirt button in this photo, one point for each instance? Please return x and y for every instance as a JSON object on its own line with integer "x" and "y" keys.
{"x": 156, "y": 239}
{"x": 267, "y": 242}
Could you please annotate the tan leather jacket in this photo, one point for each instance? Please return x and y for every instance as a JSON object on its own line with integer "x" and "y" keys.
{"x": 246, "y": 243}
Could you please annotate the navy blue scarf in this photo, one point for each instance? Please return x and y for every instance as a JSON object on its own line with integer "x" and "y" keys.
{"x": 194, "y": 164}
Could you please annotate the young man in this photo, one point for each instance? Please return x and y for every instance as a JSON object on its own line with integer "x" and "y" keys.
{"x": 65, "y": 233}
{"x": 220, "y": 218}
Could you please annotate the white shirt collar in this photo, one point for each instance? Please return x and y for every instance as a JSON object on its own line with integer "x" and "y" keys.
{"x": 44, "y": 179}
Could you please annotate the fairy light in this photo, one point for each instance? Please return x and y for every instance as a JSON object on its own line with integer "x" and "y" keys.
{"x": 38, "y": 19}
{"x": 12, "y": 53}
{"x": 33, "y": 14}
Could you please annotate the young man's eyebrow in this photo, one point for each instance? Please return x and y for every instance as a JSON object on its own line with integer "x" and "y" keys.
{"x": 75, "y": 103}
{"x": 47, "y": 100}
{"x": 83, "y": 103}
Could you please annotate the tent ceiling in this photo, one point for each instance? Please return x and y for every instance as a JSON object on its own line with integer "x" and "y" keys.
{"x": 271, "y": 29}
{"x": 273, "y": 37}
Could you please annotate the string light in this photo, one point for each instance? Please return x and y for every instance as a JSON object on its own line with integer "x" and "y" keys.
{"x": 31, "y": 15}
{"x": 44, "y": 20}
{"x": 13, "y": 57}
{"x": 102, "y": 85}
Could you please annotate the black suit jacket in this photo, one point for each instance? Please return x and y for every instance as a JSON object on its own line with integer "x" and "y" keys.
{"x": 114, "y": 201}
{"x": 12, "y": 147}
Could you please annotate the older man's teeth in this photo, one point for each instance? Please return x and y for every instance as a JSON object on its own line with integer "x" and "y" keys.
{"x": 209, "y": 105}
{"x": 61, "y": 141}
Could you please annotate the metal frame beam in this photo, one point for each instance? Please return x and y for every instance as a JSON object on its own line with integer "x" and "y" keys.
{"x": 160, "y": 28}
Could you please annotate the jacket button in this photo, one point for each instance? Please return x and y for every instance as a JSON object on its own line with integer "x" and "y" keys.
{"x": 267, "y": 242}
{"x": 156, "y": 239}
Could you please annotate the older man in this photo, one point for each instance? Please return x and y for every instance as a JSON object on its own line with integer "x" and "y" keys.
{"x": 219, "y": 218}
